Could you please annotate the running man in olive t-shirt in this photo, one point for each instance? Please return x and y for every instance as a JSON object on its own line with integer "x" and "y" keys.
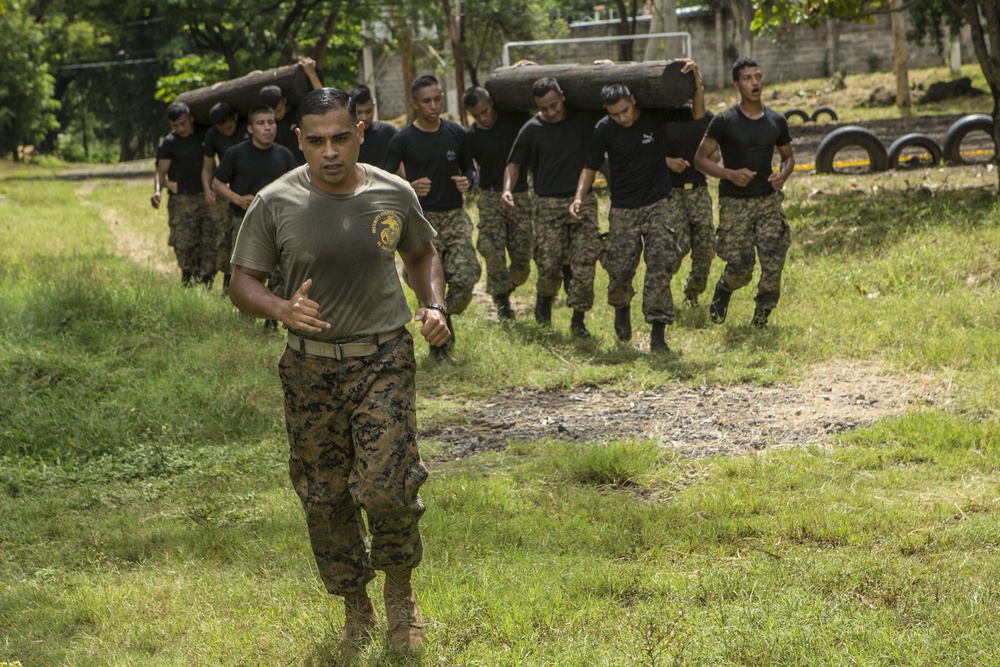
{"x": 751, "y": 220}
{"x": 348, "y": 370}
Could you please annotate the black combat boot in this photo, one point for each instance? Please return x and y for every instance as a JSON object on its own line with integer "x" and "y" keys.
{"x": 760, "y": 315}
{"x": 208, "y": 281}
{"x": 577, "y": 326}
{"x": 225, "y": 284}
{"x": 623, "y": 323}
{"x": 186, "y": 278}
{"x": 720, "y": 303}
{"x": 504, "y": 311}
{"x": 543, "y": 310}
{"x": 657, "y": 340}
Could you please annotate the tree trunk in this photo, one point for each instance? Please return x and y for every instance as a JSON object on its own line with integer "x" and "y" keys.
{"x": 406, "y": 55}
{"x": 456, "y": 53}
{"x": 323, "y": 42}
{"x": 657, "y": 84}
{"x": 899, "y": 55}
{"x": 243, "y": 94}
{"x": 625, "y": 47}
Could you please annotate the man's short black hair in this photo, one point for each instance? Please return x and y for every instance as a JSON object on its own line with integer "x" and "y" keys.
{"x": 271, "y": 96}
{"x": 258, "y": 110}
{"x": 422, "y": 82}
{"x": 361, "y": 94}
{"x": 544, "y": 86}
{"x": 177, "y": 109}
{"x": 614, "y": 93}
{"x": 475, "y": 96}
{"x": 323, "y": 100}
{"x": 741, "y": 65}
{"x": 220, "y": 113}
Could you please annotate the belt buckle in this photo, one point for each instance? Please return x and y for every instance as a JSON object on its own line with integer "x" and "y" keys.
{"x": 689, "y": 186}
{"x": 339, "y": 349}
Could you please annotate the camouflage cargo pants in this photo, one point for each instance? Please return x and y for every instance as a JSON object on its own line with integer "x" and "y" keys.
{"x": 642, "y": 232}
{"x": 458, "y": 256}
{"x": 558, "y": 237}
{"x": 695, "y": 234}
{"x": 225, "y": 228}
{"x": 502, "y": 234}
{"x": 352, "y": 435}
{"x": 192, "y": 234}
{"x": 748, "y": 226}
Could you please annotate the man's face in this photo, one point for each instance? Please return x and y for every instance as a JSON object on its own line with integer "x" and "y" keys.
{"x": 552, "y": 106}
{"x": 331, "y": 143}
{"x": 484, "y": 113}
{"x": 366, "y": 113}
{"x": 750, "y": 83}
{"x": 227, "y": 127}
{"x": 281, "y": 109}
{"x": 428, "y": 102}
{"x": 624, "y": 112}
{"x": 183, "y": 126}
{"x": 262, "y": 129}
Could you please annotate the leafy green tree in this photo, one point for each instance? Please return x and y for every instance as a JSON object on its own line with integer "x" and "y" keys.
{"x": 982, "y": 16}
{"x": 488, "y": 24}
{"x": 27, "y": 109}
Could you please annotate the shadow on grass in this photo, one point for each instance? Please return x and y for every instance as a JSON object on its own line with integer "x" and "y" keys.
{"x": 866, "y": 222}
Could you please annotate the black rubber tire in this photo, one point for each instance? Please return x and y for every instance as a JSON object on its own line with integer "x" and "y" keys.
{"x": 959, "y": 130}
{"x": 824, "y": 111}
{"x": 914, "y": 139}
{"x": 797, "y": 113}
{"x": 851, "y": 135}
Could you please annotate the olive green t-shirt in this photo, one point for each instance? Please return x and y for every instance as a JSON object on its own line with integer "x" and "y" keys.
{"x": 347, "y": 244}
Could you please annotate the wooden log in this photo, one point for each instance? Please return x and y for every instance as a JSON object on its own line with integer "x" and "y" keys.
{"x": 243, "y": 94}
{"x": 655, "y": 84}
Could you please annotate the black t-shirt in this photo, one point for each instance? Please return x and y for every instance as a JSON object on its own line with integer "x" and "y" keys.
{"x": 376, "y": 143}
{"x": 749, "y": 143}
{"x": 555, "y": 152}
{"x": 637, "y": 156}
{"x": 246, "y": 169}
{"x": 490, "y": 148}
{"x": 682, "y": 141}
{"x": 216, "y": 143}
{"x": 438, "y": 155}
{"x": 285, "y": 135}
{"x": 186, "y": 155}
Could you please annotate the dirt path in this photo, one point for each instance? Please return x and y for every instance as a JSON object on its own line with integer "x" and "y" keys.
{"x": 698, "y": 421}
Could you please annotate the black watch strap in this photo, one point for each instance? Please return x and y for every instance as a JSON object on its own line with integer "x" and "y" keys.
{"x": 438, "y": 307}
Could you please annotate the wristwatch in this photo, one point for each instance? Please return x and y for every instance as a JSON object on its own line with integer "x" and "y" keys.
{"x": 438, "y": 307}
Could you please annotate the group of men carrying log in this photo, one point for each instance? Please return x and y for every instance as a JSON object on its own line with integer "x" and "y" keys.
{"x": 334, "y": 226}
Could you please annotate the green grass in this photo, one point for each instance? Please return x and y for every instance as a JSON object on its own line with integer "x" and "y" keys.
{"x": 147, "y": 518}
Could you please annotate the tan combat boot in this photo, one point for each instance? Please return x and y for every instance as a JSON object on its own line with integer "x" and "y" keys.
{"x": 406, "y": 623}
{"x": 359, "y": 620}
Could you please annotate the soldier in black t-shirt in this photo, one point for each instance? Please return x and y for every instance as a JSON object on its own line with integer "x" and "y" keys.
{"x": 436, "y": 162}
{"x": 247, "y": 168}
{"x": 501, "y": 233}
{"x": 640, "y": 222}
{"x": 226, "y": 132}
{"x": 377, "y": 135}
{"x": 178, "y": 169}
{"x": 691, "y": 202}
{"x": 553, "y": 145}
{"x": 285, "y": 114}
{"x": 751, "y": 220}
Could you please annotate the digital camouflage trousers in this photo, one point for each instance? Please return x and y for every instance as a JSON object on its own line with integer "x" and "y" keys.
{"x": 505, "y": 234}
{"x": 558, "y": 239}
{"x": 748, "y": 227}
{"x": 352, "y": 436}
{"x": 646, "y": 233}
{"x": 692, "y": 218}
{"x": 458, "y": 256}
{"x": 192, "y": 234}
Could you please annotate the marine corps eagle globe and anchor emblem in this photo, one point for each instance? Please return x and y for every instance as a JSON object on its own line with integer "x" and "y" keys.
{"x": 386, "y": 228}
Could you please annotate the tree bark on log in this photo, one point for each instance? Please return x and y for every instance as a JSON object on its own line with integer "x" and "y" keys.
{"x": 243, "y": 94}
{"x": 657, "y": 84}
